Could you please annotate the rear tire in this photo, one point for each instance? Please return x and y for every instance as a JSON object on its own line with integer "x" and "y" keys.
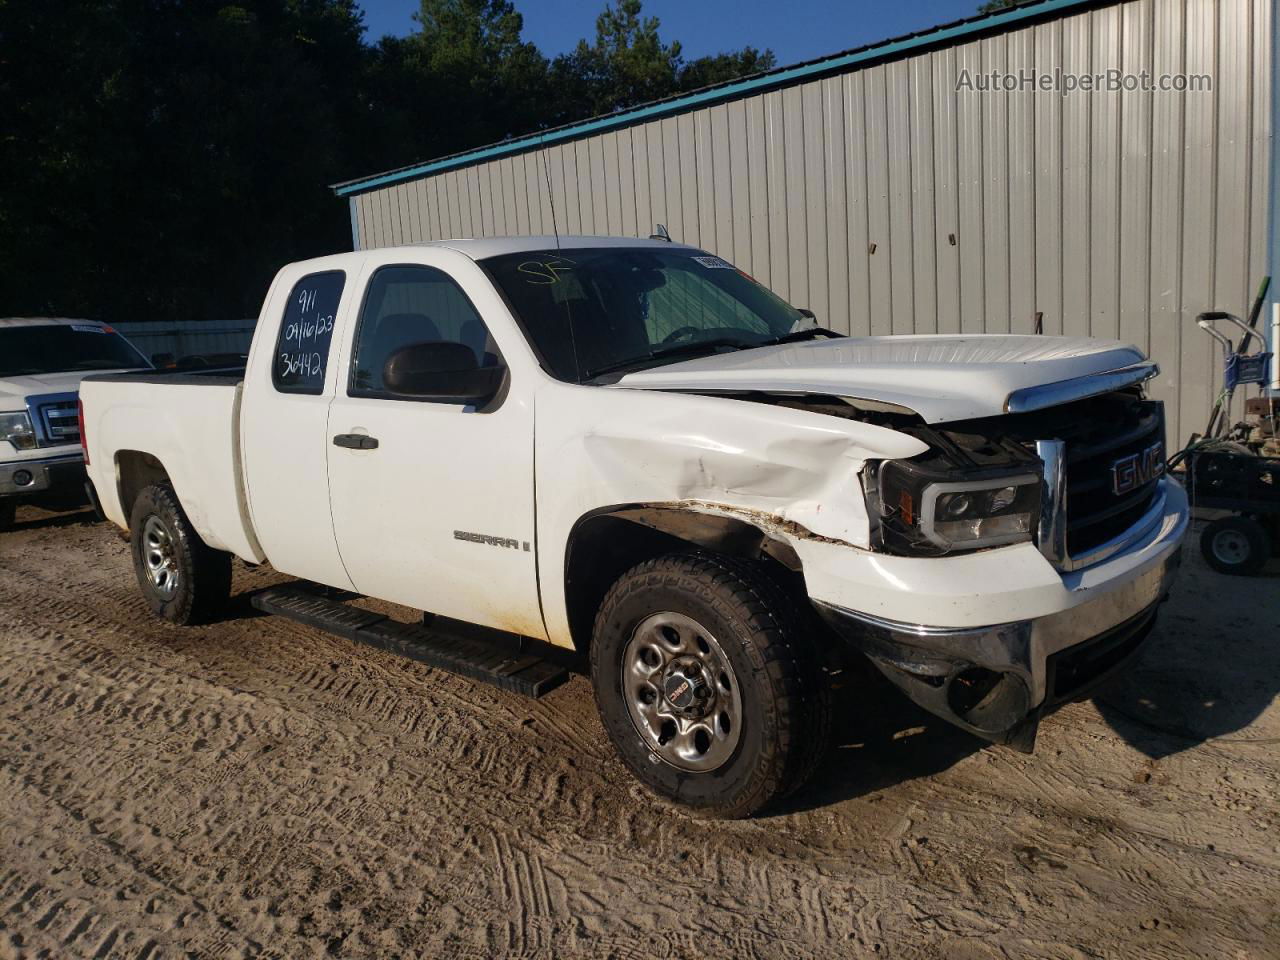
{"x": 707, "y": 684}
{"x": 1235, "y": 545}
{"x": 182, "y": 578}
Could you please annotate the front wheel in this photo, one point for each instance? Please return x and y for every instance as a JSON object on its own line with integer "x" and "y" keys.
{"x": 182, "y": 578}
{"x": 8, "y": 509}
{"x": 706, "y": 685}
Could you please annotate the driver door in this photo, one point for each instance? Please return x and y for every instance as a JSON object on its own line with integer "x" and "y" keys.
{"x": 433, "y": 508}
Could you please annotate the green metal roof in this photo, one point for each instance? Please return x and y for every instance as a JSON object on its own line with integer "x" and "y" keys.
{"x": 783, "y": 76}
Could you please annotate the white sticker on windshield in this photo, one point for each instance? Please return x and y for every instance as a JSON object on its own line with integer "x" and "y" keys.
{"x": 87, "y": 328}
{"x": 714, "y": 263}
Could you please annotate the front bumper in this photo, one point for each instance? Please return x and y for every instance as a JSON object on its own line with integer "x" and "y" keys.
{"x": 997, "y": 681}
{"x": 50, "y": 475}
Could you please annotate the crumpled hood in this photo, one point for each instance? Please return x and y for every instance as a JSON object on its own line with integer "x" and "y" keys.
{"x": 15, "y": 390}
{"x": 942, "y": 378}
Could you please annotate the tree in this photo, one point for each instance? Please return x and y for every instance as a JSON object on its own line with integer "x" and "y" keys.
{"x": 490, "y": 78}
{"x": 163, "y": 158}
{"x": 629, "y": 64}
{"x": 995, "y": 6}
{"x": 723, "y": 68}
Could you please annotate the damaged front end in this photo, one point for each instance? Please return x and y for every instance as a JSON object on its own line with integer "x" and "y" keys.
{"x": 980, "y": 680}
{"x": 993, "y": 682}
{"x": 982, "y": 484}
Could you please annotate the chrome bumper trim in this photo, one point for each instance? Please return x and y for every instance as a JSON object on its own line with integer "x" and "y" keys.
{"x": 1021, "y": 647}
{"x": 39, "y": 470}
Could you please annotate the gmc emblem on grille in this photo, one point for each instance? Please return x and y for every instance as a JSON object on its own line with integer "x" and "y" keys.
{"x": 1131, "y": 472}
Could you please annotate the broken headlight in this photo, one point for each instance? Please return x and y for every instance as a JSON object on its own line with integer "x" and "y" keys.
{"x": 16, "y": 428}
{"x": 927, "y": 512}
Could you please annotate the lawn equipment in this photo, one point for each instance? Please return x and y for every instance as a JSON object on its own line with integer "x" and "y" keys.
{"x": 1237, "y": 467}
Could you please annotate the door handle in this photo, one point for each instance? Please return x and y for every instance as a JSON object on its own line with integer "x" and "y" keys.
{"x": 355, "y": 441}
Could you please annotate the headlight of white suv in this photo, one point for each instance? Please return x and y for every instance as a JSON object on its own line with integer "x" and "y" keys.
{"x": 16, "y": 428}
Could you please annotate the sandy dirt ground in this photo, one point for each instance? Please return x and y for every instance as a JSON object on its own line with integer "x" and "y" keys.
{"x": 255, "y": 788}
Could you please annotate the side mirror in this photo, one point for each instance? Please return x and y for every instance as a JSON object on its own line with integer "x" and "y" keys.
{"x": 441, "y": 371}
{"x": 806, "y": 312}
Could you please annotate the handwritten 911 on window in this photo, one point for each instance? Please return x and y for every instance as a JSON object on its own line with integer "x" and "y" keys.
{"x": 302, "y": 351}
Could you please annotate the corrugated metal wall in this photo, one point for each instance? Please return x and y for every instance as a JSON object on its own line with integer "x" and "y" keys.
{"x": 889, "y": 202}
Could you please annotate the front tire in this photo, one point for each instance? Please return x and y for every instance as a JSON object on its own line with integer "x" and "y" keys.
{"x": 706, "y": 684}
{"x": 8, "y": 509}
{"x": 182, "y": 579}
{"x": 1235, "y": 545}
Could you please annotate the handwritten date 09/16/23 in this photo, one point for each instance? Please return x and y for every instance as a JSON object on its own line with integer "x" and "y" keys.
{"x": 306, "y": 330}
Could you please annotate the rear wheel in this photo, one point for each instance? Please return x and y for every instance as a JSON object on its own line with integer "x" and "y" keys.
{"x": 1236, "y": 545}
{"x": 182, "y": 578}
{"x": 706, "y": 684}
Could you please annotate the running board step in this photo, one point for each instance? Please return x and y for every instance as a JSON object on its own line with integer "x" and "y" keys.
{"x": 495, "y": 660}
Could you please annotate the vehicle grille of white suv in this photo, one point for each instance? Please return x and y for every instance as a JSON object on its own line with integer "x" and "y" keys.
{"x": 54, "y": 417}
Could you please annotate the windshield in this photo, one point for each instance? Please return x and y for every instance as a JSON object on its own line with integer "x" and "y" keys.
{"x": 596, "y": 310}
{"x": 25, "y": 351}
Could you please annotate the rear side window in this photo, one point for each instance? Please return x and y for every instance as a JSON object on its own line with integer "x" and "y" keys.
{"x": 302, "y": 349}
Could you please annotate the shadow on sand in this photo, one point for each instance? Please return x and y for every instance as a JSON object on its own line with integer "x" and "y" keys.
{"x": 1210, "y": 669}
{"x": 46, "y": 519}
{"x": 880, "y": 739}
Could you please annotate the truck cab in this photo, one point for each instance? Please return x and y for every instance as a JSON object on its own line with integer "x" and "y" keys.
{"x": 42, "y": 362}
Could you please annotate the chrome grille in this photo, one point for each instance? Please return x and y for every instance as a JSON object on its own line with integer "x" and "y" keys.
{"x": 1102, "y": 483}
{"x": 56, "y": 418}
{"x": 61, "y": 423}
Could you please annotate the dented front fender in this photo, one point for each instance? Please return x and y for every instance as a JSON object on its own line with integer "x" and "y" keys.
{"x": 789, "y": 472}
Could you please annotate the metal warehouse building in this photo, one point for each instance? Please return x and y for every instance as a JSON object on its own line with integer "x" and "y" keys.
{"x": 884, "y": 190}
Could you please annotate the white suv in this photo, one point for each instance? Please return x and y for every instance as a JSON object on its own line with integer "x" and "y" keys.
{"x": 42, "y": 361}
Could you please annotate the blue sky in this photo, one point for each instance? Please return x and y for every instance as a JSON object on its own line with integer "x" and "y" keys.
{"x": 795, "y": 30}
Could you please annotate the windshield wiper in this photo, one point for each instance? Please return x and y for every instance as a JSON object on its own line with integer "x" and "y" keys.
{"x": 808, "y": 333}
{"x": 697, "y": 346}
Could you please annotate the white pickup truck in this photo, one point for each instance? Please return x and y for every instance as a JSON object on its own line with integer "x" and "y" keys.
{"x": 633, "y": 451}
{"x": 42, "y": 361}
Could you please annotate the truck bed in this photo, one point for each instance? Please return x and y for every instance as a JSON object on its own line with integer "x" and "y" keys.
{"x": 139, "y": 424}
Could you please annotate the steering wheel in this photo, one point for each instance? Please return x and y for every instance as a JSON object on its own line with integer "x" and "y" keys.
{"x": 679, "y": 332}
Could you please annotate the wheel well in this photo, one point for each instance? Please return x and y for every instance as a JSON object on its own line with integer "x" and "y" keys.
{"x": 135, "y": 471}
{"x": 605, "y": 544}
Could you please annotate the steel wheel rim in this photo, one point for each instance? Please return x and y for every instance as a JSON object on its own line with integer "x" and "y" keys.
{"x": 681, "y": 692}
{"x": 159, "y": 557}
{"x": 1230, "y": 547}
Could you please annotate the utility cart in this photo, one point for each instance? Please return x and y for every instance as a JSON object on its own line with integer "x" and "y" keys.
{"x": 1237, "y": 467}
